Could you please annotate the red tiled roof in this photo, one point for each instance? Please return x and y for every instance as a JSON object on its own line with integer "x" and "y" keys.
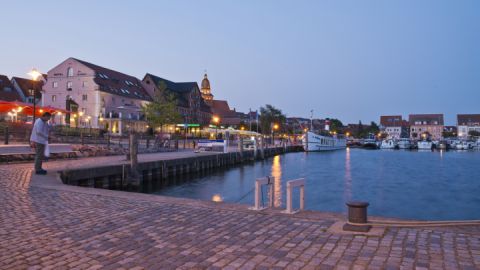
{"x": 391, "y": 120}
{"x": 468, "y": 119}
{"x": 7, "y": 92}
{"x": 426, "y": 119}
{"x": 227, "y": 116}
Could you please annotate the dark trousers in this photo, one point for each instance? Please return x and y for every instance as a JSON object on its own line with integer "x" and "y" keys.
{"x": 39, "y": 155}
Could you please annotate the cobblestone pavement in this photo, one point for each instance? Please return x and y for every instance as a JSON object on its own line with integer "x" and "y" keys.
{"x": 66, "y": 228}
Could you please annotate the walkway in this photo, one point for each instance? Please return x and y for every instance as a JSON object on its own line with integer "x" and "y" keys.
{"x": 46, "y": 225}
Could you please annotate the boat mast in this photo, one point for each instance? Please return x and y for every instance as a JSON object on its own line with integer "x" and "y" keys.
{"x": 311, "y": 120}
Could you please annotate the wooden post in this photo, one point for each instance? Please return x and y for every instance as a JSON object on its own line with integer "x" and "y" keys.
{"x": 240, "y": 147}
{"x": 81, "y": 136}
{"x": 134, "y": 177}
{"x": 108, "y": 141}
{"x": 262, "y": 148}
{"x": 6, "y": 135}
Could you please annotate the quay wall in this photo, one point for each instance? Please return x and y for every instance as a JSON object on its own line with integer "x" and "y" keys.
{"x": 161, "y": 172}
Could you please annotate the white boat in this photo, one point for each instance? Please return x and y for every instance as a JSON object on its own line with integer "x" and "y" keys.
{"x": 463, "y": 145}
{"x": 314, "y": 142}
{"x": 388, "y": 144}
{"x": 424, "y": 145}
{"x": 404, "y": 143}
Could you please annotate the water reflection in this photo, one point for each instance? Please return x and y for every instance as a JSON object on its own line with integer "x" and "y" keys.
{"x": 347, "y": 191}
{"x": 217, "y": 198}
{"x": 277, "y": 188}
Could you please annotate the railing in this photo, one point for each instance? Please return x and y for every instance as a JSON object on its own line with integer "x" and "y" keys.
{"x": 290, "y": 185}
{"x": 269, "y": 180}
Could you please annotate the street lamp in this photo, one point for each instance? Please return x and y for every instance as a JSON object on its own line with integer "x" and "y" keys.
{"x": 35, "y": 75}
{"x": 216, "y": 120}
{"x": 275, "y": 127}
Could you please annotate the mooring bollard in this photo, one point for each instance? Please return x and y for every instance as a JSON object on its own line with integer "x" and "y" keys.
{"x": 290, "y": 185}
{"x": 6, "y": 135}
{"x": 269, "y": 180}
{"x": 357, "y": 217}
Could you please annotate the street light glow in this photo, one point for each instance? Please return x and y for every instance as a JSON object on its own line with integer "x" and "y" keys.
{"x": 34, "y": 74}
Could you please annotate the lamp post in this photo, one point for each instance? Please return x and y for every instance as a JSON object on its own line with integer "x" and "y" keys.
{"x": 216, "y": 120}
{"x": 34, "y": 74}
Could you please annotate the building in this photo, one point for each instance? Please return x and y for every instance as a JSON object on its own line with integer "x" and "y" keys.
{"x": 105, "y": 98}
{"x": 227, "y": 116}
{"x": 206, "y": 91}
{"x": 188, "y": 97}
{"x": 426, "y": 126}
{"x": 394, "y": 126}
{"x": 24, "y": 88}
{"x": 467, "y": 123}
{"x": 7, "y": 91}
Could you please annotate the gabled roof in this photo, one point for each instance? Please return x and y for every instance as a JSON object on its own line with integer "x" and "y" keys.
{"x": 180, "y": 89}
{"x": 117, "y": 83}
{"x": 25, "y": 85}
{"x": 7, "y": 92}
{"x": 221, "y": 108}
{"x": 468, "y": 119}
{"x": 426, "y": 119}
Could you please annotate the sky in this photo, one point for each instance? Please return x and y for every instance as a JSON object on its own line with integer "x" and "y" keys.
{"x": 352, "y": 60}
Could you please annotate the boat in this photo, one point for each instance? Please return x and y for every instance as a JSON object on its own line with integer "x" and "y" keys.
{"x": 370, "y": 144}
{"x": 462, "y": 145}
{"x": 388, "y": 144}
{"x": 315, "y": 142}
{"x": 404, "y": 143}
{"x": 424, "y": 145}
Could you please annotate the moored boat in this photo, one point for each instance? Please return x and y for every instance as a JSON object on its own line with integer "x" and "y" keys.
{"x": 388, "y": 144}
{"x": 424, "y": 145}
{"x": 315, "y": 142}
{"x": 404, "y": 143}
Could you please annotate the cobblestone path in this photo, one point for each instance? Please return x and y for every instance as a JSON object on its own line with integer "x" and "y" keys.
{"x": 48, "y": 228}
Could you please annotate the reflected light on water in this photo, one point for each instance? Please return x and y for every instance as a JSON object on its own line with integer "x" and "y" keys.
{"x": 347, "y": 191}
{"x": 277, "y": 188}
{"x": 217, "y": 198}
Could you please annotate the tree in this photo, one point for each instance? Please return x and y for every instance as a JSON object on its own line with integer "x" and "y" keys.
{"x": 270, "y": 115}
{"x": 163, "y": 109}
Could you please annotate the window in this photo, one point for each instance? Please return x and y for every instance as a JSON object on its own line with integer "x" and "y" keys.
{"x": 84, "y": 97}
{"x": 55, "y": 84}
{"x": 70, "y": 72}
{"x": 7, "y": 89}
{"x": 54, "y": 98}
{"x": 69, "y": 86}
{"x": 84, "y": 84}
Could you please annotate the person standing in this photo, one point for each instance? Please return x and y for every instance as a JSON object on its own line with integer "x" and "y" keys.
{"x": 39, "y": 139}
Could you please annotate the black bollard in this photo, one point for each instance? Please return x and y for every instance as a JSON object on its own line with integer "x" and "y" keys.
{"x": 357, "y": 217}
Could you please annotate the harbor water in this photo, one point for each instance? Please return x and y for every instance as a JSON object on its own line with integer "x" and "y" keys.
{"x": 401, "y": 184}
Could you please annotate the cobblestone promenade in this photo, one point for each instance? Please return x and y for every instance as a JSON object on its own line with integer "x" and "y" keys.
{"x": 45, "y": 225}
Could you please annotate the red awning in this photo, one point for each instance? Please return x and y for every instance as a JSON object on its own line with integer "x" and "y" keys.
{"x": 26, "y": 108}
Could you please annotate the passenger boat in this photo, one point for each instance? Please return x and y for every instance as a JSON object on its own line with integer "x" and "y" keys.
{"x": 424, "y": 145}
{"x": 404, "y": 143}
{"x": 315, "y": 142}
{"x": 388, "y": 144}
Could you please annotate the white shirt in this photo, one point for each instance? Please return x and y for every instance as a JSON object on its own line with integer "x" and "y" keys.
{"x": 40, "y": 132}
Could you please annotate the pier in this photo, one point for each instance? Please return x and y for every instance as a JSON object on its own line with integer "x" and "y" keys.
{"x": 157, "y": 169}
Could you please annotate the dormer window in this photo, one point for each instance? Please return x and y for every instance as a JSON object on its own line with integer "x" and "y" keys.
{"x": 70, "y": 72}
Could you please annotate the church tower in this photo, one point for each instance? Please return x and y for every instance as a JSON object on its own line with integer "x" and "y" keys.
{"x": 206, "y": 92}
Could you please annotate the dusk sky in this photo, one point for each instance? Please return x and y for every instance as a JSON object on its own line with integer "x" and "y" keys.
{"x": 352, "y": 60}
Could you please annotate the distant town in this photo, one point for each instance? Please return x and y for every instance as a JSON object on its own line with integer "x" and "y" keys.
{"x": 81, "y": 94}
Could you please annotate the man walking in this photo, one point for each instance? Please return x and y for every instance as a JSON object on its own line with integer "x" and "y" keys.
{"x": 39, "y": 139}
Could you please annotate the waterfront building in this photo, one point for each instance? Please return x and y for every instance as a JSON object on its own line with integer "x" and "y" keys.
{"x": 190, "y": 103}
{"x": 227, "y": 116}
{"x": 106, "y": 98}
{"x": 7, "y": 91}
{"x": 25, "y": 89}
{"x": 426, "y": 126}
{"x": 467, "y": 123}
{"x": 394, "y": 126}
